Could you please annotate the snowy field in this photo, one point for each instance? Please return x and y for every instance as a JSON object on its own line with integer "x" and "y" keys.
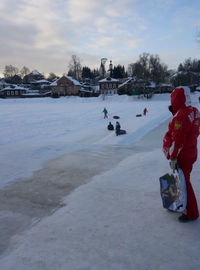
{"x": 36, "y": 130}
{"x": 113, "y": 219}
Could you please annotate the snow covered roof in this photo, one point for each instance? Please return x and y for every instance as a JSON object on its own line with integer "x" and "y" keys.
{"x": 165, "y": 84}
{"x": 124, "y": 83}
{"x": 152, "y": 84}
{"x": 85, "y": 90}
{"x": 54, "y": 83}
{"x": 3, "y": 82}
{"x": 35, "y": 73}
{"x": 14, "y": 87}
{"x": 40, "y": 81}
{"x": 109, "y": 79}
{"x": 32, "y": 94}
{"x": 75, "y": 82}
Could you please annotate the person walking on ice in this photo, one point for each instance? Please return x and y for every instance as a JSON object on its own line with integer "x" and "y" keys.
{"x": 145, "y": 111}
{"x": 180, "y": 143}
{"x": 117, "y": 128}
{"x": 105, "y": 113}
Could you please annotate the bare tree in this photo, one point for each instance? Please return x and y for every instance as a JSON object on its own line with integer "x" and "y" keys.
{"x": 10, "y": 71}
{"x": 75, "y": 68}
{"x": 24, "y": 71}
{"x": 149, "y": 67}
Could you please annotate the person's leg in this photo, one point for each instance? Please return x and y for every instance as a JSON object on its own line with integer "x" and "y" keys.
{"x": 192, "y": 207}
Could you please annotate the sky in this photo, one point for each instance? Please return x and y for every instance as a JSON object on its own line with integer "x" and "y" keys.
{"x": 43, "y": 35}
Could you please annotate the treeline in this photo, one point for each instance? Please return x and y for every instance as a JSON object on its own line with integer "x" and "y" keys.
{"x": 148, "y": 67}
{"x": 16, "y": 76}
{"x": 78, "y": 72}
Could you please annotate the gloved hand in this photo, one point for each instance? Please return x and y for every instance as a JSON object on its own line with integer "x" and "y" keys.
{"x": 173, "y": 164}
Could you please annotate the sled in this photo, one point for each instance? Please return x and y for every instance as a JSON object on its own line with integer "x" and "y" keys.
{"x": 173, "y": 191}
{"x": 138, "y": 115}
{"x": 116, "y": 117}
{"x": 122, "y": 131}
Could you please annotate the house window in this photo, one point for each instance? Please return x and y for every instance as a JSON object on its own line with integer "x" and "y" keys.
{"x": 8, "y": 93}
{"x": 16, "y": 92}
{"x": 12, "y": 93}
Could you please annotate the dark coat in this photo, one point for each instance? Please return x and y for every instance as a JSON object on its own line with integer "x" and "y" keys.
{"x": 110, "y": 126}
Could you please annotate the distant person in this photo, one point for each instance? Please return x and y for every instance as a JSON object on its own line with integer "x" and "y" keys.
{"x": 105, "y": 113}
{"x": 117, "y": 128}
{"x": 110, "y": 126}
{"x": 145, "y": 111}
{"x": 180, "y": 143}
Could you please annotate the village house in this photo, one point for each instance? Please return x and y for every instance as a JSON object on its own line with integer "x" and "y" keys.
{"x": 39, "y": 84}
{"x": 89, "y": 90}
{"x": 135, "y": 86}
{"x": 3, "y": 84}
{"x": 32, "y": 77}
{"x": 12, "y": 91}
{"x": 65, "y": 86}
{"x": 108, "y": 86}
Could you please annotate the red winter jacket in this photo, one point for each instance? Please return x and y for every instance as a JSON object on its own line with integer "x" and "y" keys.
{"x": 184, "y": 128}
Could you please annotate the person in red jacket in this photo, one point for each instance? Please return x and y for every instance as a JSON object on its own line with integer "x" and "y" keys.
{"x": 180, "y": 143}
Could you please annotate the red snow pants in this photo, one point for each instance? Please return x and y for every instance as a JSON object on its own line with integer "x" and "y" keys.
{"x": 186, "y": 164}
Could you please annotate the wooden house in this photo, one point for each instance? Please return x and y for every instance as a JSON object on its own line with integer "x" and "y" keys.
{"x": 108, "y": 86}
{"x": 12, "y": 91}
{"x": 66, "y": 86}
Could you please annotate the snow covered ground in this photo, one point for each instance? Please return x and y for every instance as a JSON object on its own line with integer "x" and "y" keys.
{"x": 115, "y": 220}
{"x": 36, "y": 130}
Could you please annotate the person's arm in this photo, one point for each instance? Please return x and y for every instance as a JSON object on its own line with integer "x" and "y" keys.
{"x": 167, "y": 142}
{"x": 179, "y": 131}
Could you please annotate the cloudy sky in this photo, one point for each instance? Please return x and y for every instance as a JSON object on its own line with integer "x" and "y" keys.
{"x": 43, "y": 34}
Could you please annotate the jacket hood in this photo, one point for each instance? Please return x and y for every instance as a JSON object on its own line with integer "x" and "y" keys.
{"x": 180, "y": 97}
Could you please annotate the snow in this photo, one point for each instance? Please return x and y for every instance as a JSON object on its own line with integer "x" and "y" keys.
{"x": 115, "y": 220}
{"x": 109, "y": 79}
{"x": 35, "y": 73}
{"x": 41, "y": 81}
{"x": 54, "y": 83}
{"x": 14, "y": 87}
{"x": 51, "y": 127}
{"x": 75, "y": 82}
